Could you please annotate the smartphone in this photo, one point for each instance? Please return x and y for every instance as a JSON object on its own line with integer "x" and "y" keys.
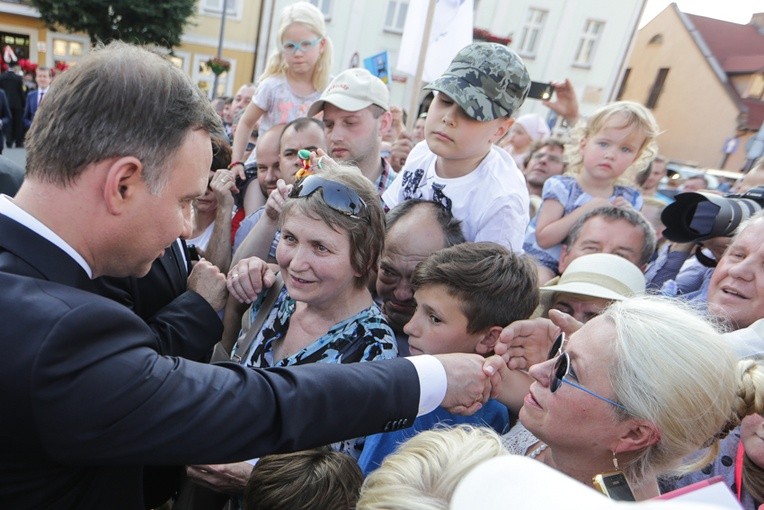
{"x": 614, "y": 485}
{"x": 540, "y": 90}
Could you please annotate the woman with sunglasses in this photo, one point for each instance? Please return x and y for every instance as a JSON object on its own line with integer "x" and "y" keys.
{"x": 636, "y": 389}
{"x": 332, "y": 233}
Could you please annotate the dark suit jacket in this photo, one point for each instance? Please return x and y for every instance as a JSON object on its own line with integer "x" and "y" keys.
{"x": 13, "y": 85}
{"x": 88, "y": 400}
{"x": 30, "y": 108}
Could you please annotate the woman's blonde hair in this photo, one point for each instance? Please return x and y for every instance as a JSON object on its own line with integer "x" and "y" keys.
{"x": 620, "y": 114}
{"x": 424, "y": 471}
{"x": 685, "y": 380}
{"x": 311, "y": 16}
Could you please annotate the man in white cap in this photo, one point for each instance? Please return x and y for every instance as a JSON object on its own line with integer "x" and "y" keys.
{"x": 356, "y": 107}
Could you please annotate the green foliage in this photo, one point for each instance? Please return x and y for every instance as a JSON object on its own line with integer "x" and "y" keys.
{"x": 159, "y": 22}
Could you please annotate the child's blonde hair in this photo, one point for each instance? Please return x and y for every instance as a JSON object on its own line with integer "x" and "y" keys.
{"x": 309, "y": 15}
{"x": 625, "y": 114}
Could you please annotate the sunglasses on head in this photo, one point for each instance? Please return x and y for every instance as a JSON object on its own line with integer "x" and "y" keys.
{"x": 561, "y": 371}
{"x": 337, "y": 196}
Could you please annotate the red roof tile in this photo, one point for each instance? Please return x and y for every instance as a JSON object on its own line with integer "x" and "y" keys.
{"x": 755, "y": 113}
{"x": 731, "y": 41}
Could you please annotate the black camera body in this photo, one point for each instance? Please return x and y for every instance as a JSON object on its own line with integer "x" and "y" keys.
{"x": 700, "y": 216}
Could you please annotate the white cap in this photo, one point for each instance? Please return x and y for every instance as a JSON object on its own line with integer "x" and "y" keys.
{"x": 534, "y": 125}
{"x": 353, "y": 90}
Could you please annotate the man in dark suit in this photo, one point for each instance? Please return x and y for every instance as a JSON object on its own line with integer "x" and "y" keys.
{"x": 5, "y": 118}
{"x": 35, "y": 97}
{"x": 91, "y": 400}
{"x": 13, "y": 86}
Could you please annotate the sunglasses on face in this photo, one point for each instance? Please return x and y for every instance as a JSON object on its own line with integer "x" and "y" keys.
{"x": 337, "y": 196}
{"x": 561, "y": 371}
{"x": 291, "y": 47}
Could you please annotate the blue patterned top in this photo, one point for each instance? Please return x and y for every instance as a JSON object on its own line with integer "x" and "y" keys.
{"x": 566, "y": 190}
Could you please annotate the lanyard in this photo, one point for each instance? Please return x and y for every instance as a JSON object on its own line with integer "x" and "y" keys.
{"x": 739, "y": 470}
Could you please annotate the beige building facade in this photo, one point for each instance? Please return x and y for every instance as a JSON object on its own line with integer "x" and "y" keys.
{"x": 706, "y": 98}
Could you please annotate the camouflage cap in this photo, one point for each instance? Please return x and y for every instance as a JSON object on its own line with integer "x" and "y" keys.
{"x": 488, "y": 80}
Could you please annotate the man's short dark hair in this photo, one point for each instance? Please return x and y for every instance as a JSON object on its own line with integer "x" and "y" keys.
{"x": 612, "y": 213}
{"x": 98, "y": 109}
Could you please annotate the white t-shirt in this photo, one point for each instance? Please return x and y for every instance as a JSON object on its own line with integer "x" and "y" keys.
{"x": 202, "y": 240}
{"x": 275, "y": 97}
{"x": 491, "y": 201}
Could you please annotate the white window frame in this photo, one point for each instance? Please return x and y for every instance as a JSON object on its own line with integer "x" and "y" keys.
{"x": 588, "y": 43}
{"x": 50, "y": 57}
{"x": 185, "y": 57}
{"x": 325, "y": 6}
{"x": 530, "y": 34}
{"x": 234, "y": 8}
{"x": 398, "y": 23}
{"x": 225, "y": 81}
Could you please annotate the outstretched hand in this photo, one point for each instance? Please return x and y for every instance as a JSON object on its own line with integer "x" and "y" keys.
{"x": 472, "y": 380}
{"x": 525, "y": 343}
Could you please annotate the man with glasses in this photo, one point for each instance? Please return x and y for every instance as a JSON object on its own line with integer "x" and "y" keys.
{"x": 544, "y": 161}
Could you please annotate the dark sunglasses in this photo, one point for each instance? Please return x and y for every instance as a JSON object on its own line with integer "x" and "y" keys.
{"x": 337, "y": 196}
{"x": 561, "y": 370}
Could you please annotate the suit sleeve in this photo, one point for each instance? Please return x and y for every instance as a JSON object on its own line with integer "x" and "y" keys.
{"x": 102, "y": 395}
{"x": 6, "y": 117}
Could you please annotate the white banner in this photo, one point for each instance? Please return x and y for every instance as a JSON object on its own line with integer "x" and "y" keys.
{"x": 451, "y": 31}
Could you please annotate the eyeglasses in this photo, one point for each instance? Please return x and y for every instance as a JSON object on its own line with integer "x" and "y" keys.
{"x": 561, "y": 370}
{"x": 292, "y": 46}
{"x": 337, "y": 196}
{"x": 549, "y": 157}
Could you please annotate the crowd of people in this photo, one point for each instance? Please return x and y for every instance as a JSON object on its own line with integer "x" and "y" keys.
{"x": 285, "y": 300}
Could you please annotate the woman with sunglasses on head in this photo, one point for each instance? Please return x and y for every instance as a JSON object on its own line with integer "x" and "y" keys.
{"x": 636, "y": 389}
{"x": 332, "y": 233}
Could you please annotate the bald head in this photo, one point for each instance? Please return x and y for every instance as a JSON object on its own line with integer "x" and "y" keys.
{"x": 267, "y": 157}
{"x": 416, "y": 230}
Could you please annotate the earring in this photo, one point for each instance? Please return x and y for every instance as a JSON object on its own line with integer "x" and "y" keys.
{"x": 615, "y": 462}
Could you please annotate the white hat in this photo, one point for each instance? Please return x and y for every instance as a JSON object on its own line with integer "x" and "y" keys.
{"x": 353, "y": 90}
{"x": 519, "y": 483}
{"x": 600, "y": 275}
{"x": 534, "y": 125}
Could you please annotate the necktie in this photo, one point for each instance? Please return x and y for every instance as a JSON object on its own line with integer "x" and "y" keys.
{"x": 39, "y": 100}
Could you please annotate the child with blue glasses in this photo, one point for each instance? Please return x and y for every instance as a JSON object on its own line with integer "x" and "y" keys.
{"x": 293, "y": 79}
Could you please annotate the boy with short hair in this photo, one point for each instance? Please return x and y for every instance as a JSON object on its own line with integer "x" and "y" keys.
{"x": 458, "y": 164}
{"x": 306, "y": 480}
{"x": 465, "y": 296}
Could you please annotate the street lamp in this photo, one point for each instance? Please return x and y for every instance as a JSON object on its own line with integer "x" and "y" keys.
{"x": 220, "y": 47}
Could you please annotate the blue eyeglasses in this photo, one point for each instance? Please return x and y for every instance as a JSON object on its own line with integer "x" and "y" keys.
{"x": 561, "y": 370}
{"x": 292, "y": 46}
{"x": 336, "y": 195}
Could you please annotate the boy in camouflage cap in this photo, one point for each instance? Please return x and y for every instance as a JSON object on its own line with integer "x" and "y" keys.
{"x": 458, "y": 164}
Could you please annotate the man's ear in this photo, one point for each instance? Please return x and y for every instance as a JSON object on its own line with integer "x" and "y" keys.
{"x": 124, "y": 178}
{"x": 385, "y": 122}
{"x": 502, "y": 129}
{"x": 562, "y": 263}
{"x": 487, "y": 343}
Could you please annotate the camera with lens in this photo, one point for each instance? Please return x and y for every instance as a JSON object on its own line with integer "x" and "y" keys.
{"x": 697, "y": 216}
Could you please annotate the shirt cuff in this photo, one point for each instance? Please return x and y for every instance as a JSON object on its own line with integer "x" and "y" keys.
{"x": 433, "y": 382}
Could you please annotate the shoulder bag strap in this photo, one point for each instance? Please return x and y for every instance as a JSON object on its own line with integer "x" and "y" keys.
{"x": 257, "y": 324}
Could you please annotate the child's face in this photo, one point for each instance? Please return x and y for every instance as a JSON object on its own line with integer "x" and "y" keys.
{"x": 611, "y": 150}
{"x": 439, "y": 326}
{"x": 305, "y": 47}
{"x": 453, "y": 135}
{"x": 752, "y": 435}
